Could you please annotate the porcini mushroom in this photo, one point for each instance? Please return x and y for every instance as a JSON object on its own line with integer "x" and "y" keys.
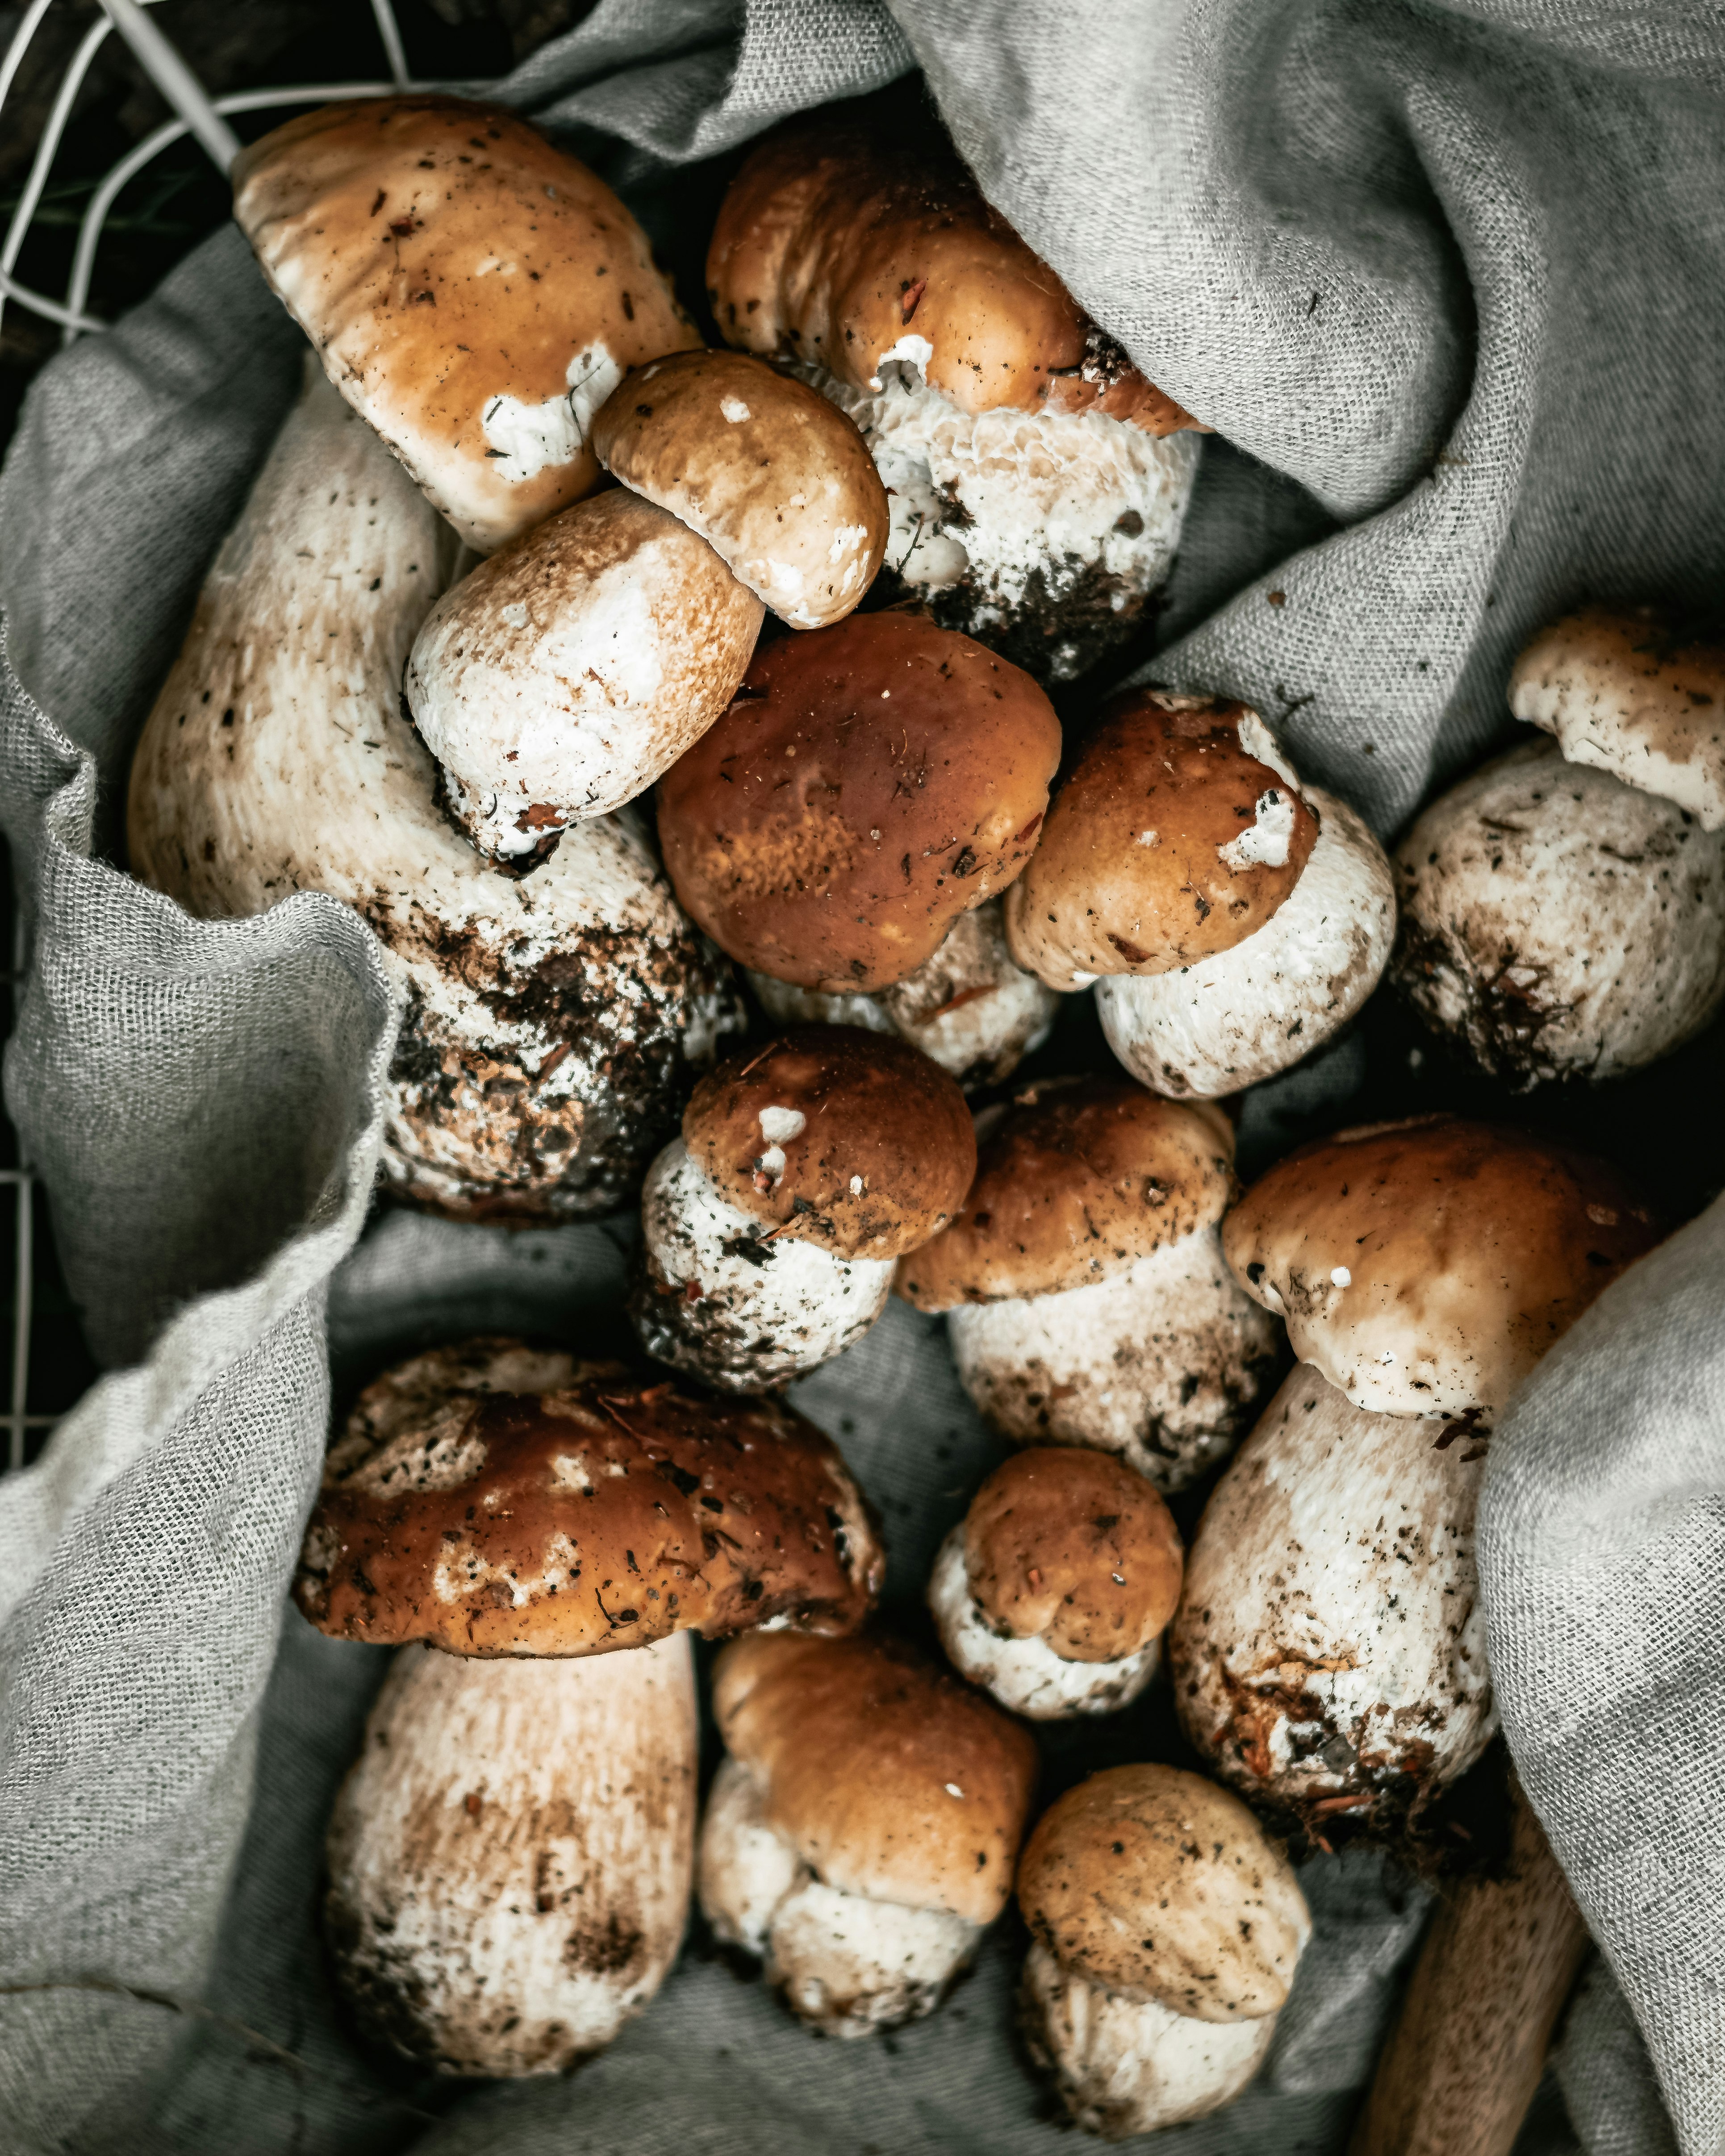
{"x": 860, "y": 1836}
{"x": 770, "y": 1229}
{"x": 1425, "y": 1267}
{"x": 512, "y": 1856}
{"x": 1635, "y": 691}
{"x": 474, "y": 294}
{"x": 553, "y": 1021}
{"x": 1233, "y": 919}
{"x": 1558, "y": 923}
{"x": 561, "y": 677}
{"x": 1166, "y": 1928}
{"x": 1053, "y": 1591}
{"x": 1038, "y": 482}
{"x": 968, "y": 1008}
{"x": 497, "y": 1501}
{"x": 1087, "y": 1301}
{"x": 870, "y": 783}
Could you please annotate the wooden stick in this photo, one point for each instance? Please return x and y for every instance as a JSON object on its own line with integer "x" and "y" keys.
{"x": 1499, "y": 1961}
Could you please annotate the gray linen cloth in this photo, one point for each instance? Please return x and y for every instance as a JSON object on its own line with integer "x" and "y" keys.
{"x": 1449, "y": 281}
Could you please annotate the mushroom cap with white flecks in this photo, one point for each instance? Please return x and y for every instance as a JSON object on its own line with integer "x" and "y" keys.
{"x": 1425, "y": 1267}
{"x": 1627, "y": 689}
{"x": 773, "y": 477}
{"x": 1329, "y": 1654}
{"x": 510, "y": 1858}
{"x": 474, "y": 293}
{"x": 560, "y": 678}
{"x": 1558, "y": 923}
{"x": 1238, "y": 1017}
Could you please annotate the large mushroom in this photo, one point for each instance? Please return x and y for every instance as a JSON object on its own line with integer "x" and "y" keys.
{"x": 1052, "y": 1592}
{"x": 474, "y": 293}
{"x": 512, "y": 1857}
{"x": 1329, "y": 1653}
{"x": 870, "y": 783}
{"x": 1232, "y": 918}
{"x": 862, "y": 1834}
{"x": 553, "y": 1022}
{"x": 770, "y": 1229}
{"x": 1086, "y": 1296}
{"x": 1166, "y": 1928}
{"x": 562, "y": 677}
{"x": 1038, "y": 481}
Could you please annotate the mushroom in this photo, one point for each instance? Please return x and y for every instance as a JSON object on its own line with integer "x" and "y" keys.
{"x": 1087, "y": 1301}
{"x": 770, "y": 1229}
{"x": 870, "y": 783}
{"x": 860, "y": 1835}
{"x": 553, "y": 1022}
{"x": 1558, "y": 923}
{"x": 1237, "y": 919}
{"x": 474, "y": 294}
{"x": 1425, "y": 1267}
{"x": 510, "y": 1858}
{"x": 1052, "y": 1592}
{"x": 1167, "y": 1929}
{"x": 1633, "y": 691}
{"x": 497, "y": 1501}
{"x": 562, "y": 677}
{"x": 1038, "y": 482}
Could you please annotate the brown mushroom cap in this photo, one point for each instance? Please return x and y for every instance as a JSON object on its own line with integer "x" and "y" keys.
{"x": 1155, "y": 1882}
{"x": 1078, "y": 1180}
{"x": 870, "y": 783}
{"x": 890, "y": 1777}
{"x": 1177, "y": 833}
{"x": 837, "y": 243}
{"x": 472, "y": 292}
{"x": 776, "y": 480}
{"x": 1074, "y": 1547}
{"x": 1629, "y": 690}
{"x": 1425, "y": 1267}
{"x": 852, "y": 1140}
{"x": 497, "y": 1501}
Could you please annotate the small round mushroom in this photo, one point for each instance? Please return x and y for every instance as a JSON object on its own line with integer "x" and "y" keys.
{"x": 1329, "y": 1654}
{"x": 498, "y": 1502}
{"x": 861, "y": 1835}
{"x": 474, "y": 294}
{"x": 1167, "y": 1931}
{"x": 1558, "y": 923}
{"x": 1053, "y": 1591}
{"x": 1087, "y": 1301}
{"x": 768, "y": 472}
{"x": 1425, "y": 1267}
{"x": 1236, "y": 919}
{"x": 968, "y": 1009}
{"x": 553, "y": 1021}
{"x": 510, "y": 1858}
{"x": 770, "y": 1229}
{"x": 1038, "y": 482}
{"x": 1633, "y": 691}
{"x": 870, "y": 783}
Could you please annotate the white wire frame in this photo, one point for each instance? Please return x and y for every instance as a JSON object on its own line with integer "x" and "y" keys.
{"x": 201, "y": 115}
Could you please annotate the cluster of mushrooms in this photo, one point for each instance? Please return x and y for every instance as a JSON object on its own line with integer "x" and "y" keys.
{"x": 441, "y": 668}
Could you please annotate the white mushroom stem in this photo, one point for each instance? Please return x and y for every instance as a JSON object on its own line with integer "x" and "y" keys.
{"x": 511, "y": 1859}
{"x": 1160, "y": 1363}
{"x": 848, "y": 1964}
{"x": 1026, "y": 1676}
{"x": 969, "y": 1008}
{"x": 1010, "y": 517}
{"x": 1234, "y": 1019}
{"x": 1128, "y": 2066}
{"x": 726, "y": 1297}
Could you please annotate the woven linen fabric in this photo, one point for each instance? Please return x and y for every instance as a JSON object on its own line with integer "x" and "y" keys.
{"x": 1448, "y": 281}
